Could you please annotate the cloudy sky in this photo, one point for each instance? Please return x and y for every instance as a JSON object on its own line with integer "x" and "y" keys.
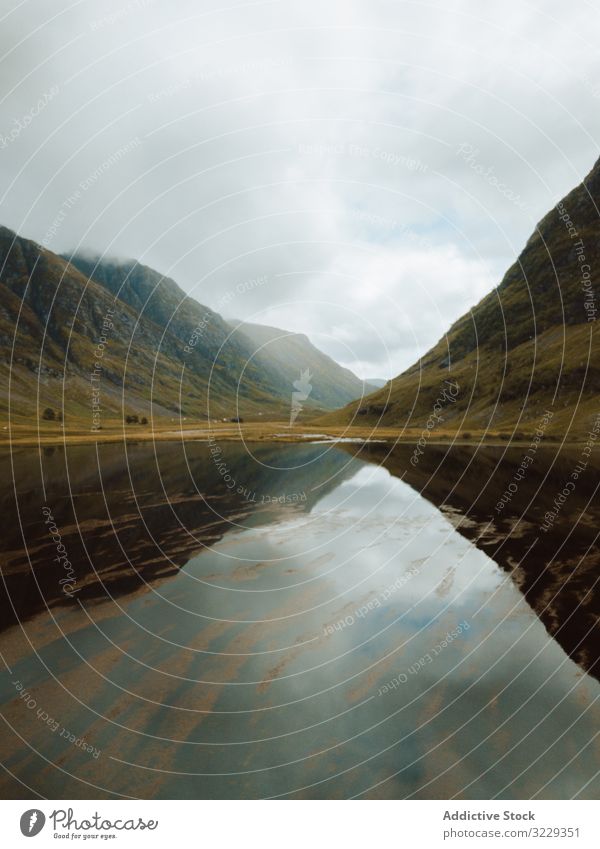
{"x": 362, "y": 171}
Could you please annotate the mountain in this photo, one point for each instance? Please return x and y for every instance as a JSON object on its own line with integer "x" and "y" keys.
{"x": 273, "y": 358}
{"x": 73, "y": 343}
{"x": 101, "y": 340}
{"x": 290, "y": 353}
{"x": 526, "y": 347}
{"x": 199, "y": 338}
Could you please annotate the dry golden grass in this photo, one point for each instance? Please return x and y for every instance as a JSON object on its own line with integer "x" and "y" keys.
{"x": 50, "y": 433}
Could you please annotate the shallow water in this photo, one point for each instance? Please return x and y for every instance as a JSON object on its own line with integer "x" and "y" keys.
{"x": 304, "y": 624}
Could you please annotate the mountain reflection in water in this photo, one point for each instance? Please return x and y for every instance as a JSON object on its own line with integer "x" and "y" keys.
{"x": 296, "y": 620}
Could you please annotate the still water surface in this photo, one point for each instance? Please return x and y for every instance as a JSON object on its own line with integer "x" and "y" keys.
{"x": 308, "y": 623}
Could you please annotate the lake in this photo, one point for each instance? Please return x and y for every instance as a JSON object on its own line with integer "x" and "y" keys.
{"x": 299, "y": 621}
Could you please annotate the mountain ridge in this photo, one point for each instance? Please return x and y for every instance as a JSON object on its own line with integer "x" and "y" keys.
{"x": 273, "y": 357}
{"x": 118, "y": 335}
{"x": 527, "y": 346}
{"x": 294, "y": 352}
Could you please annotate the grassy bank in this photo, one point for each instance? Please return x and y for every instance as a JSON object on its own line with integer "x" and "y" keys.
{"x": 52, "y": 433}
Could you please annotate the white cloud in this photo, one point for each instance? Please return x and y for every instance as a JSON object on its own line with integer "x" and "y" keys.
{"x": 314, "y": 143}
{"x": 392, "y": 303}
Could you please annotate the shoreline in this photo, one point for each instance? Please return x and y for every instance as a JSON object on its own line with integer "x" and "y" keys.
{"x": 274, "y": 432}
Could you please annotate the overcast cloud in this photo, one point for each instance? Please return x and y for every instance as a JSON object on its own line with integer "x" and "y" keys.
{"x": 327, "y": 150}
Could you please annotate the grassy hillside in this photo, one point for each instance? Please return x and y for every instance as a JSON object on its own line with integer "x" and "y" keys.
{"x": 526, "y": 347}
{"x": 201, "y": 338}
{"x": 289, "y": 353}
{"x": 263, "y": 358}
{"x": 62, "y": 336}
{"x": 99, "y": 341}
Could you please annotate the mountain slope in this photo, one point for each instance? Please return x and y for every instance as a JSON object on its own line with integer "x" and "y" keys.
{"x": 204, "y": 340}
{"x": 290, "y": 353}
{"x": 102, "y": 340}
{"x": 63, "y": 331}
{"x": 272, "y": 358}
{"x": 526, "y": 347}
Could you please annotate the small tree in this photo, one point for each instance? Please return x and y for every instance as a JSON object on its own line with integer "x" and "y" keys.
{"x": 48, "y": 414}
{"x": 144, "y": 420}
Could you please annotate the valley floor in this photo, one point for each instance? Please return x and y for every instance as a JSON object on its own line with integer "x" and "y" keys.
{"x": 50, "y": 433}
